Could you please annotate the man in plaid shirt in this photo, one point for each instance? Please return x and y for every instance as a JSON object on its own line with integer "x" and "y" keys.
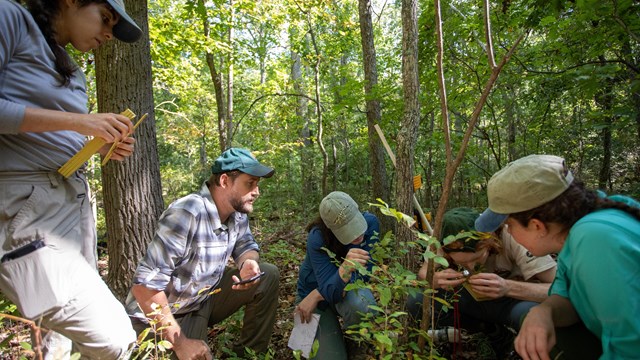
{"x": 183, "y": 282}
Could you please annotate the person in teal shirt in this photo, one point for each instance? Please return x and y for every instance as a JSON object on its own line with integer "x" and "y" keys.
{"x": 597, "y": 239}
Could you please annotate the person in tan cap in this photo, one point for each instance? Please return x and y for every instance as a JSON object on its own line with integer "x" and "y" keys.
{"x": 597, "y": 238}
{"x": 349, "y": 234}
{"x": 48, "y": 257}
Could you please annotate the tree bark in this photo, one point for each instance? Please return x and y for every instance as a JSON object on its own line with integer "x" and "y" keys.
{"x": 376, "y": 153}
{"x": 131, "y": 189}
{"x": 407, "y": 134}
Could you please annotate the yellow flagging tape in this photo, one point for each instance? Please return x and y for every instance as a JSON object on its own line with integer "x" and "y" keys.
{"x": 90, "y": 148}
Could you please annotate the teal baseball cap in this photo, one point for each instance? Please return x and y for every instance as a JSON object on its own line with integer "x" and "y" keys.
{"x": 241, "y": 160}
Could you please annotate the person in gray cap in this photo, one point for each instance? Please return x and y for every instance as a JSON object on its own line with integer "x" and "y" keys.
{"x": 349, "y": 234}
{"x": 48, "y": 265}
{"x": 593, "y": 301}
{"x": 185, "y": 274}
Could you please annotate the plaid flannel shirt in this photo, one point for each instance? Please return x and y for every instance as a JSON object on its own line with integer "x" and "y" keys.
{"x": 190, "y": 251}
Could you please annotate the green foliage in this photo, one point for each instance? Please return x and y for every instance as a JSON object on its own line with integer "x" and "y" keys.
{"x": 386, "y": 327}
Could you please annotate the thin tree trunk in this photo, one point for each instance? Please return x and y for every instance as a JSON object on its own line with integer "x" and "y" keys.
{"x": 319, "y": 139}
{"x": 216, "y": 78}
{"x": 306, "y": 158}
{"x": 604, "y": 99}
{"x": 229, "y": 120}
{"x": 131, "y": 189}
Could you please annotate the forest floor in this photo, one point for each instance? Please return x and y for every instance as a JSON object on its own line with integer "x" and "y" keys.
{"x": 283, "y": 245}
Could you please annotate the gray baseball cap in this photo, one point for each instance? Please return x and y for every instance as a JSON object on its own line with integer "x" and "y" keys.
{"x": 341, "y": 215}
{"x": 126, "y": 29}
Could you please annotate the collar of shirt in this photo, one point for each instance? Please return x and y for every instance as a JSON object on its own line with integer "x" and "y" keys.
{"x": 212, "y": 210}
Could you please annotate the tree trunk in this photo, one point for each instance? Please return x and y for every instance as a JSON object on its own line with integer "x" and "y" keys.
{"x": 319, "y": 136}
{"x": 305, "y": 151}
{"x": 216, "y": 78}
{"x": 376, "y": 153}
{"x": 604, "y": 99}
{"x": 407, "y": 134}
{"x": 131, "y": 189}
{"x": 229, "y": 119}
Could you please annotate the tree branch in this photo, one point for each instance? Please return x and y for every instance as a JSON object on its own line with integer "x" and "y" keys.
{"x": 487, "y": 33}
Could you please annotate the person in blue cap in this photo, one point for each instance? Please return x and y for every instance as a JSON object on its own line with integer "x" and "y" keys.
{"x": 185, "y": 273}
{"x": 349, "y": 234}
{"x": 48, "y": 241}
{"x": 597, "y": 238}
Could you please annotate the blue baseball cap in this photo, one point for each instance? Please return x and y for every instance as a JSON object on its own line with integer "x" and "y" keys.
{"x": 241, "y": 160}
{"x": 489, "y": 221}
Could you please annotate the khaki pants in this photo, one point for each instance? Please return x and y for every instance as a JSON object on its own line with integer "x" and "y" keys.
{"x": 58, "y": 285}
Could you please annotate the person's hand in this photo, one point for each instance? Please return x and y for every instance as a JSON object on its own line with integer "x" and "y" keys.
{"x": 123, "y": 150}
{"x": 306, "y": 308}
{"x": 109, "y": 127}
{"x": 249, "y": 269}
{"x": 447, "y": 278}
{"x": 537, "y": 335}
{"x": 489, "y": 285}
{"x": 192, "y": 349}
{"x": 355, "y": 255}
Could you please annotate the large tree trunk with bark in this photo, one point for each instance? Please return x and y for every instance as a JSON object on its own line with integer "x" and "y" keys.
{"x": 132, "y": 191}
{"x": 376, "y": 154}
{"x": 407, "y": 134}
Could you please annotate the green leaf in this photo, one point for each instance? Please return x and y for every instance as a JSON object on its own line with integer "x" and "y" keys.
{"x": 385, "y": 296}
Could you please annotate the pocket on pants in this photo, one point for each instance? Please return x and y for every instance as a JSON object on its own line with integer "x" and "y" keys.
{"x": 38, "y": 281}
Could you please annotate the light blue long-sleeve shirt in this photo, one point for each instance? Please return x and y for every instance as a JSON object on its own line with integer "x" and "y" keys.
{"x": 28, "y": 79}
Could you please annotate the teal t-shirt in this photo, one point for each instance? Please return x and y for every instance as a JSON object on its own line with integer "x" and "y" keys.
{"x": 599, "y": 272}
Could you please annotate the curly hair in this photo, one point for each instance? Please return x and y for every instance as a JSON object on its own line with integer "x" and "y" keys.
{"x": 44, "y": 13}
{"x": 330, "y": 240}
{"x": 570, "y": 206}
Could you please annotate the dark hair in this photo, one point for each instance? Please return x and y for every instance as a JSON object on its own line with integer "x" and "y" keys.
{"x": 44, "y": 13}
{"x": 215, "y": 178}
{"x": 571, "y": 206}
{"x": 330, "y": 240}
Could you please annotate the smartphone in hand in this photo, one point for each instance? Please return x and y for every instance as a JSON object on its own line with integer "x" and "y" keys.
{"x": 251, "y": 279}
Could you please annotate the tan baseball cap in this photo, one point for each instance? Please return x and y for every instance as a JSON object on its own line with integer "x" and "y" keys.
{"x": 523, "y": 185}
{"x": 341, "y": 215}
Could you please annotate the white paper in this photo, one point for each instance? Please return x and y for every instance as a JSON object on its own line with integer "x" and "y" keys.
{"x": 302, "y": 335}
